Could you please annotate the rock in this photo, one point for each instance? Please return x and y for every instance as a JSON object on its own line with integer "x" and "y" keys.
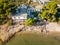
{"x": 4, "y": 35}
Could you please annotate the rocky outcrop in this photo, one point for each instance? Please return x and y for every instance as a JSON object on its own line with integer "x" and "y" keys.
{"x": 49, "y": 27}
{"x": 5, "y": 35}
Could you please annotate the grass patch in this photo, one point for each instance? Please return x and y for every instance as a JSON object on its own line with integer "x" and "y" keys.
{"x": 34, "y": 39}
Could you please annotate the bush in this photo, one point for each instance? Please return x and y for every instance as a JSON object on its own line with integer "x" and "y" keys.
{"x": 31, "y": 21}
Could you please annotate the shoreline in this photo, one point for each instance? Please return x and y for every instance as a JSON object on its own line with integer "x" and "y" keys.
{"x": 32, "y": 32}
{"x": 33, "y": 29}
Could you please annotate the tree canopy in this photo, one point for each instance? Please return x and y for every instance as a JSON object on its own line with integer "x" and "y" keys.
{"x": 50, "y": 11}
{"x": 5, "y": 9}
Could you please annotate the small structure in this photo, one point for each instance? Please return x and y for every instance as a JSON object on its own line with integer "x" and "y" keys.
{"x": 23, "y": 12}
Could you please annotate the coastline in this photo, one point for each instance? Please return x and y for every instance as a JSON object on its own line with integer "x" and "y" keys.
{"x": 21, "y": 29}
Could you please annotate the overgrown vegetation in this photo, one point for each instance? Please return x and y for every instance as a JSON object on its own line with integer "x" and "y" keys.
{"x": 58, "y": 1}
{"x": 50, "y": 12}
{"x": 31, "y": 21}
{"x": 6, "y": 8}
